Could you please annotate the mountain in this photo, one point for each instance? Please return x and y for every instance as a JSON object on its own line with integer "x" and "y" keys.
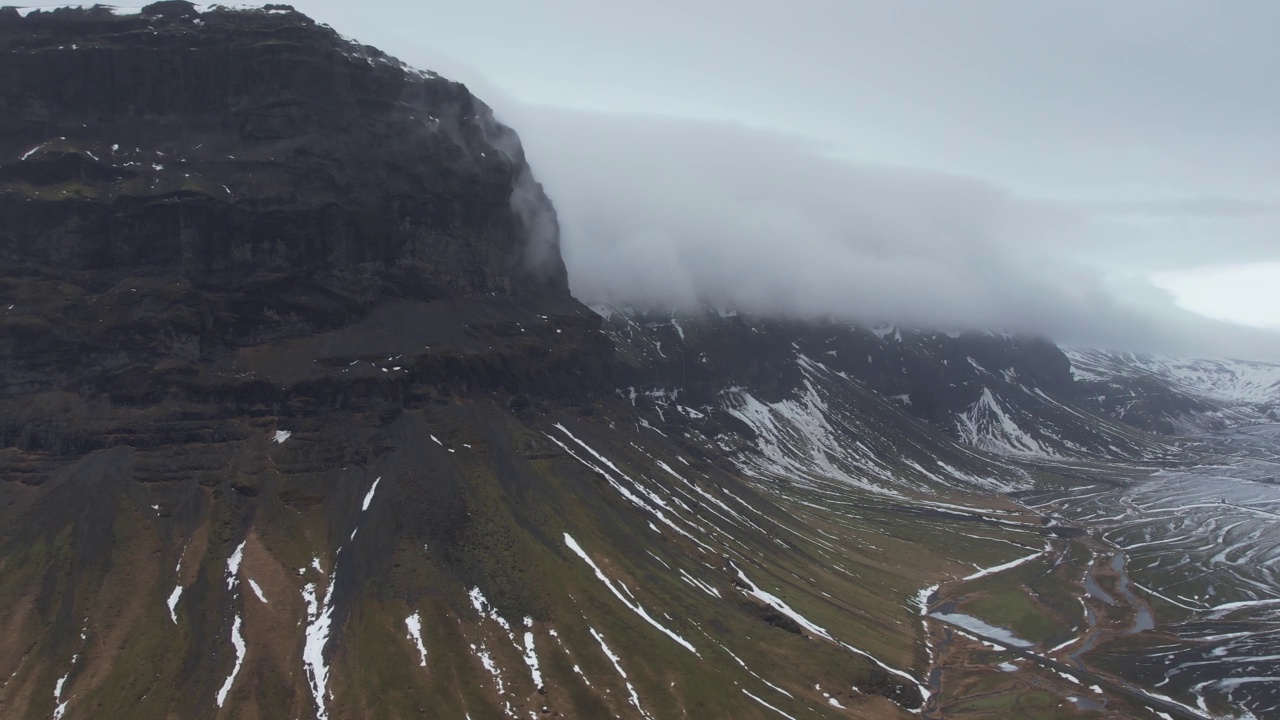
{"x": 1010, "y": 396}
{"x": 298, "y": 418}
{"x": 1177, "y": 395}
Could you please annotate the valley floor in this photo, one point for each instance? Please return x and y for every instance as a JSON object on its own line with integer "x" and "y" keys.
{"x": 1166, "y": 604}
{"x": 549, "y": 564}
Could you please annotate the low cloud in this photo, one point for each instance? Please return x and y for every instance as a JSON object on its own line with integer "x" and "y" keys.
{"x": 670, "y": 213}
{"x": 1126, "y": 141}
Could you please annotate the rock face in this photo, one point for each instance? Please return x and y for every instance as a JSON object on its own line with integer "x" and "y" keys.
{"x": 177, "y": 186}
{"x": 228, "y": 147}
{"x": 1004, "y": 394}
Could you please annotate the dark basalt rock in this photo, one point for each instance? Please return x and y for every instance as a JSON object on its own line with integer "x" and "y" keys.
{"x": 935, "y": 376}
{"x": 233, "y": 145}
{"x": 188, "y": 200}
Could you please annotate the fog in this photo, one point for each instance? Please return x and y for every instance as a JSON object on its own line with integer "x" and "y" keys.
{"x": 666, "y": 213}
{"x": 1030, "y": 167}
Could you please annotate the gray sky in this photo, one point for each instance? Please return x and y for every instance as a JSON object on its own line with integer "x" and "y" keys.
{"x": 1036, "y": 166}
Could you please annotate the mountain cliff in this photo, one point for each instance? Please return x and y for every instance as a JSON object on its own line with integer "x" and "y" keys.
{"x": 298, "y": 418}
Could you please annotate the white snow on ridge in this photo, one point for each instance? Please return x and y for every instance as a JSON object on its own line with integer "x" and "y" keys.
{"x": 31, "y": 152}
{"x": 796, "y": 440}
{"x": 650, "y": 501}
{"x": 883, "y": 331}
{"x": 986, "y": 426}
{"x": 695, "y": 582}
{"x": 319, "y": 617}
{"x": 258, "y": 591}
{"x": 414, "y": 625}
{"x": 530, "y": 656}
{"x": 237, "y": 639}
{"x": 1221, "y": 611}
{"x": 281, "y": 436}
{"x": 818, "y": 435}
{"x": 526, "y": 650}
{"x": 61, "y": 707}
{"x": 173, "y": 603}
{"x": 613, "y": 658}
{"x": 368, "y": 498}
{"x": 233, "y": 566}
{"x": 487, "y": 660}
{"x": 1228, "y": 381}
{"x": 1007, "y": 566}
{"x": 679, "y": 330}
{"x": 762, "y": 702}
{"x": 777, "y": 604}
{"x": 633, "y": 607}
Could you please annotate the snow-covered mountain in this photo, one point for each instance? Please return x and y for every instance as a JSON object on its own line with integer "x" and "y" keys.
{"x": 1172, "y": 394}
{"x": 1008, "y": 396}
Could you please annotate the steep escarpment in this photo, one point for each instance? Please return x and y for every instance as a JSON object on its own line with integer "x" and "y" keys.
{"x": 233, "y": 146}
{"x": 180, "y": 187}
{"x": 298, "y": 419}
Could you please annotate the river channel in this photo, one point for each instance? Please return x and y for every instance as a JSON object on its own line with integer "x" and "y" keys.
{"x": 1200, "y": 545}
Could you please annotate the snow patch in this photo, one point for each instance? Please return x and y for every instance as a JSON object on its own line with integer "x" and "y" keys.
{"x": 414, "y": 625}
{"x": 31, "y": 152}
{"x": 777, "y": 604}
{"x": 987, "y": 426}
{"x": 633, "y": 607}
{"x": 257, "y": 591}
{"x": 1006, "y": 566}
{"x": 635, "y": 699}
{"x": 319, "y": 618}
{"x": 368, "y": 498}
{"x": 237, "y": 639}
{"x": 530, "y": 656}
{"x": 983, "y": 628}
{"x": 765, "y": 704}
{"x": 173, "y": 603}
{"x": 233, "y": 566}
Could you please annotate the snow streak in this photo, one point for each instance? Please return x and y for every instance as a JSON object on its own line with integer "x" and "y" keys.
{"x": 414, "y": 624}
{"x": 633, "y": 607}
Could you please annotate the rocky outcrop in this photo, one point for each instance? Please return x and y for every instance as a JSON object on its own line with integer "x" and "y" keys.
{"x": 215, "y": 218}
{"x": 177, "y": 186}
{"x": 229, "y": 146}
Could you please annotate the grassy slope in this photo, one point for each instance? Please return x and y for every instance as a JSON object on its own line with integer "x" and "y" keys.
{"x": 492, "y": 516}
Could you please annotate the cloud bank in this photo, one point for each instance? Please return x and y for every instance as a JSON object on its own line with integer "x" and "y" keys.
{"x": 672, "y": 213}
{"x": 1119, "y": 142}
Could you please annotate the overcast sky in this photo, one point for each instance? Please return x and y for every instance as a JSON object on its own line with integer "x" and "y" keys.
{"x": 1074, "y": 168}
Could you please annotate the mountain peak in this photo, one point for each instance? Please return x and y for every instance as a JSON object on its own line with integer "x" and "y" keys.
{"x": 233, "y": 144}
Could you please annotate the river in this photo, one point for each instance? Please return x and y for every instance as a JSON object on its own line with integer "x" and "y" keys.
{"x": 1201, "y": 544}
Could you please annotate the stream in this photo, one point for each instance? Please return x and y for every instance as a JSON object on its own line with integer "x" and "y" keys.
{"x": 1203, "y": 542}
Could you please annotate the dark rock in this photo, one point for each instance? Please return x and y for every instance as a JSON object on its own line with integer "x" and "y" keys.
{"x": 173, "y": 8}
{"x": 232, "y": 146}
{"x": 238, "y": 215}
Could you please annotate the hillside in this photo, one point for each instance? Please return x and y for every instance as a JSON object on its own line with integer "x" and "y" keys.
{"x": 298, "y": 418}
